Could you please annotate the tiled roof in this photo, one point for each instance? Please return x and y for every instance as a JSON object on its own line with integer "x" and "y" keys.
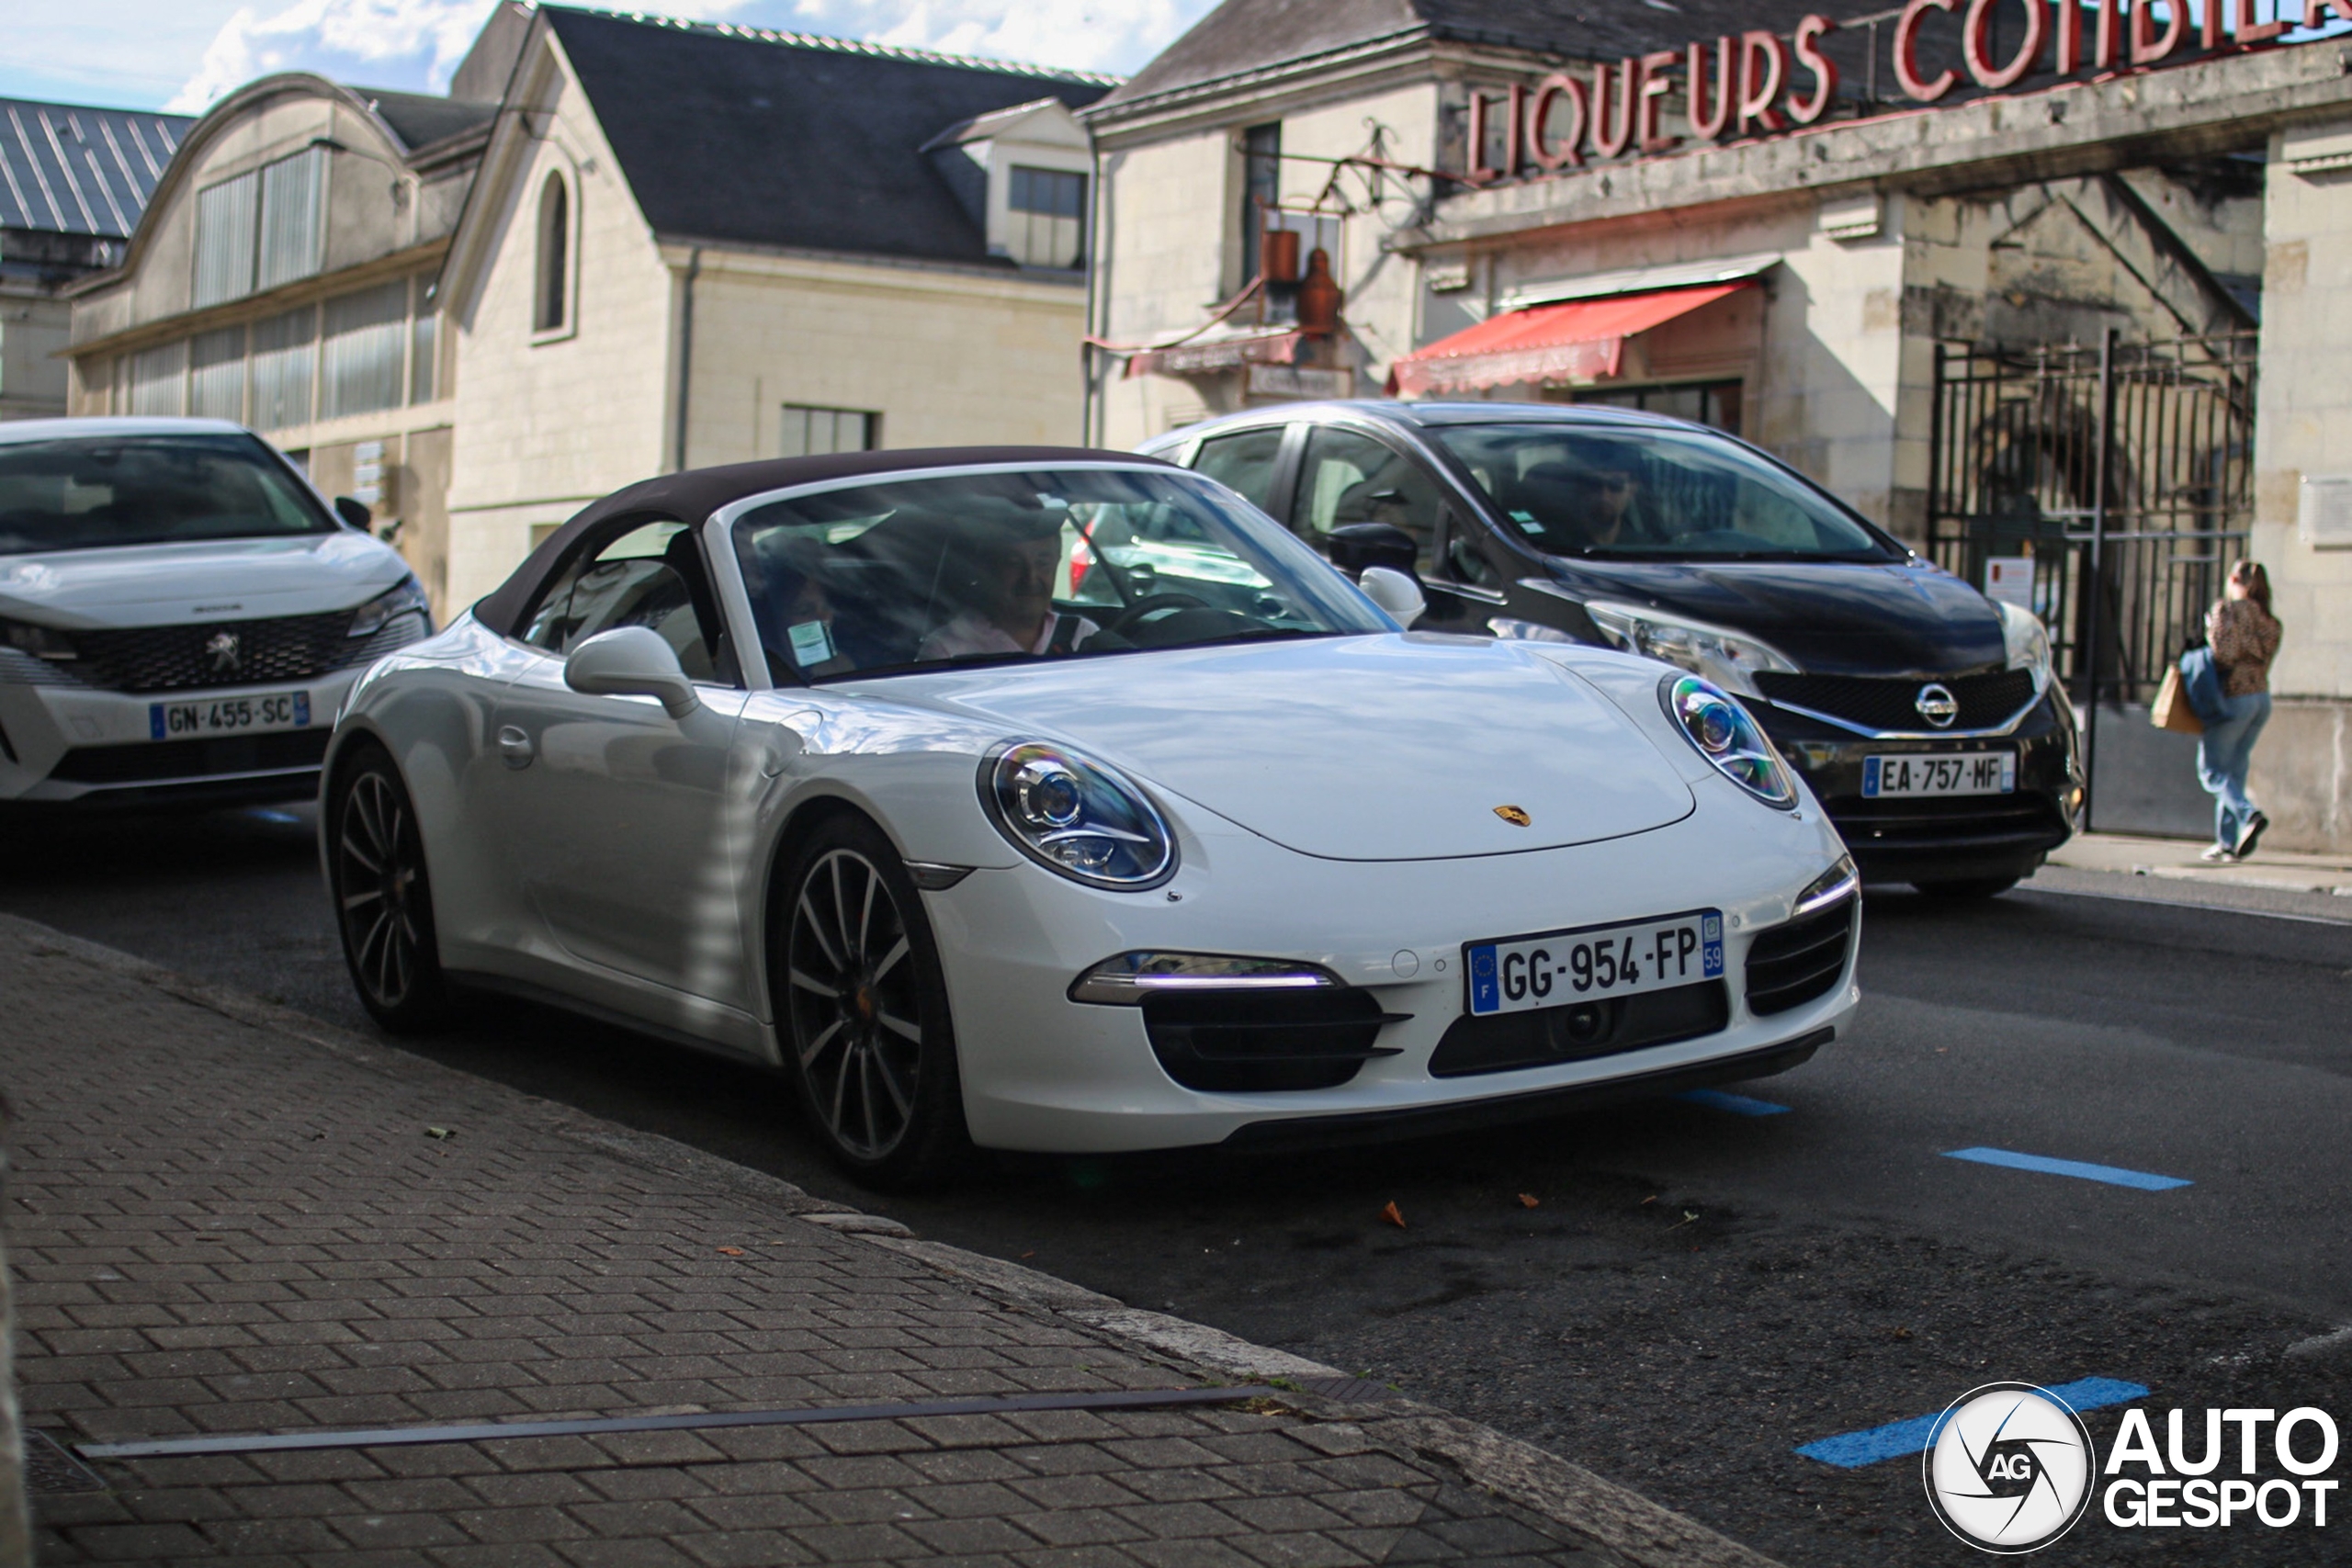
{"x": 70, "y": 170}
{"x": 728, "y": 134}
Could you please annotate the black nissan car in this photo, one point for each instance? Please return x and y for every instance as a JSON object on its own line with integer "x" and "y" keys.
{"x": 1922, "y": 713}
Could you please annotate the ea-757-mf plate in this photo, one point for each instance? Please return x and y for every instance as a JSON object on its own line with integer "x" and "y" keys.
{"x": 1521, "y": 973}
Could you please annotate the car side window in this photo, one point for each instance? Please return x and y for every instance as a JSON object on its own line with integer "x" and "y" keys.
{"x": 1350, "y": 478}
{"x": 1466, "y": 560}
{"x": 646, "y": 576}
{"x": 1243, "y": 462}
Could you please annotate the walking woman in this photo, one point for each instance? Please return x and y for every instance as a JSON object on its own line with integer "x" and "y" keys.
{"x": 2243, "y": 635}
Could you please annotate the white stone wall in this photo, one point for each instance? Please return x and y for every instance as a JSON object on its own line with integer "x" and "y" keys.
{"x": 2303, "y": 414}
{"x": 945, "y": 359}
{"x": 548, "y": 422}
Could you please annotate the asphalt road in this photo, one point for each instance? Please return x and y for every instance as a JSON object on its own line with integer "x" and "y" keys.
{"x": 1694, "y": 1292}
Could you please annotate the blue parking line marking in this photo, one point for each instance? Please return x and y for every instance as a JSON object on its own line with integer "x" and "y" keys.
{"x": 1852, "y": 1450}
{"x": 1737, "y": 1104}
{"x": 2113, "y": 1175}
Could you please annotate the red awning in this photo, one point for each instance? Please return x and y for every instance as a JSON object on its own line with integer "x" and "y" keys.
{"x": 1582, "y": 340}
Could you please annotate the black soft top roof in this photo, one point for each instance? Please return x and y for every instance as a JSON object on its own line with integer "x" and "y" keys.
{"x": 693, "y": 495}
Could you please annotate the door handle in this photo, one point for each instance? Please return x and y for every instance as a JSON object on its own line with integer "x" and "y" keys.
{"x": 514, "y": 745}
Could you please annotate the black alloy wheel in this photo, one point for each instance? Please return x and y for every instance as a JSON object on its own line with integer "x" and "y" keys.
{"x": 383, "y": 902}
{"x": 866, "y": 1036}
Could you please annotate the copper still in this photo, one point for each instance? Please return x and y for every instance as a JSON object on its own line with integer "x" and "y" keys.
{"x": 1320, "y": 295}
{"x": 1278, "y": 256}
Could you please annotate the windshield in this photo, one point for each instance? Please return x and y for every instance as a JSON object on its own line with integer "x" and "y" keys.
{"x": 1635, "y": 493}
{"x": 91, "y": 492}
{"x": 920, "y": 573}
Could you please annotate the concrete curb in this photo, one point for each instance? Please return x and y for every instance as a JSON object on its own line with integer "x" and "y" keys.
{"x": 1643, "y": 1532}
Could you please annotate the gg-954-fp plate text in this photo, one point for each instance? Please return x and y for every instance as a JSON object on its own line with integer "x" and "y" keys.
{"x": 1519, "y": 974}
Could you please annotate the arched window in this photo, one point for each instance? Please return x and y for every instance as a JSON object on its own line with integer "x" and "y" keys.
{"x": 555, "y": 242}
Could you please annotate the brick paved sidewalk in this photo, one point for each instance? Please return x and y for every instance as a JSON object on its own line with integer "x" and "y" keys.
{"x": 224, "y": 1218}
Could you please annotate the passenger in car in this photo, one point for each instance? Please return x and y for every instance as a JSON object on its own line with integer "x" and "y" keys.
{"x": 1006, "y": 587}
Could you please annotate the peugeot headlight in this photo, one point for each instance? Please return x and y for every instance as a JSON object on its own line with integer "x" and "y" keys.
{"x": 373, "y": 615}
{"x": 1075, "y": 817}
{"x": 1715, "y": 723}
{"x": 1731, "y": 659}
{"x": 45, "y": 642}
{"x": 2022, "y": 638}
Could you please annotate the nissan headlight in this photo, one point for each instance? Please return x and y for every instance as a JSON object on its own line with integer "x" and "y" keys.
{"x": 2024, "y": 641}
{"x": 1712, "y": 720}
{"x": 1077, "y": 817}
{"x": 1731, "y": 659}
{"x": 374, "y": 614}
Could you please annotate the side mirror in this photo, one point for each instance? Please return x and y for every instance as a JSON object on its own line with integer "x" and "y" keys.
{"x": 631, "y": 661}
{"x": 1394, "y": 592}
{"x": 355, "y": 512}
{"x": 1357, "y": 545}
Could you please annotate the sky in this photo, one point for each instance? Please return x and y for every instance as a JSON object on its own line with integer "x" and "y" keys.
{"x": 182, "y": 55}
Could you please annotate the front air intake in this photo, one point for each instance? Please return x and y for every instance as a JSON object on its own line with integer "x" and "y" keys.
{"x": 1791, "y": 965}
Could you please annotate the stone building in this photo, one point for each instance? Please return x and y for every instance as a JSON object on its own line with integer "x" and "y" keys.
{"x": 73, "y": 183}
{"x": 2049, "y": 291}
{"x": 621, "y": 246}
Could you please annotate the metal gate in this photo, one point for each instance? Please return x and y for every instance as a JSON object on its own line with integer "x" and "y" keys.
{"x": 2127, "y": 465}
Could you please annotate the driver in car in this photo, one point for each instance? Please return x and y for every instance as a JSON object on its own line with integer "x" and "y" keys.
{"x": 1008, "y": 598}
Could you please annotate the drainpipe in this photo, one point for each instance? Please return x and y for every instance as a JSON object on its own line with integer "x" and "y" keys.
{"x": 1092, "y": 412}
{"x": 686, "y": 351}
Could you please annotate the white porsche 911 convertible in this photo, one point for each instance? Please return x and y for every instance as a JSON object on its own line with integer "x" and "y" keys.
{"x": 861, "y": 767}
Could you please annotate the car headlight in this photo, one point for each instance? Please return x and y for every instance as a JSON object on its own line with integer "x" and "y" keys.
{"x": 1713, "y": 721}
{"x": 373, "y": 615}
{"x": 1828, "y": 888}
{"x": 1075, "y": 817}
{"x": 1126, "y": 980}
{"x": 1731, "y": 659}
{"x": 45, "y": 642}
{"x": 2024, "y": 641}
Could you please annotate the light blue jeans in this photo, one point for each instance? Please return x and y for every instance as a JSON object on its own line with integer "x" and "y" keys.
{"x": 2222, "y": 757}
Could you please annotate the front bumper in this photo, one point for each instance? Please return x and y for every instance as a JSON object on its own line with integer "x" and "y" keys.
{"x": 1952, "y": 837}
{"x": 67, "y": 745}
{"x": 1043, "y": 1073}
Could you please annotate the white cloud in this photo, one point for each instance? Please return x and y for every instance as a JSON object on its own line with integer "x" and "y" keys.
{"x": 387, "y": 43}
{"x": 416, "y": 44}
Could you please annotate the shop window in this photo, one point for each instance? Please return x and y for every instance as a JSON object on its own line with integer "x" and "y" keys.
{"x": 813, "y": 431}
{"x": 159, "y": 379}
{"x": 261, "y": 228}
{"x": 216, "y": 375}
{"x": 423, "y": 344}
{"x": 1045, "y": 220}
{"x": 552, "y": 302}
{"x": 1261, "y": 188}
{"x": 285, "y": 365}
{"x": 1716, "y": 403}
{"x": 224, "y": 240}
{"x": 293, "y": 205}
{"x": 361, "y": 349}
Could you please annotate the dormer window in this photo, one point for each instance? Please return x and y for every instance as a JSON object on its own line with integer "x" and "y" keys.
{"x": 1045, "y": 209}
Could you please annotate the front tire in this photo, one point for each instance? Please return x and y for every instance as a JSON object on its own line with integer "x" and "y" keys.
{"x": 383, "y": 899}
{"x": 862, "y": 1006}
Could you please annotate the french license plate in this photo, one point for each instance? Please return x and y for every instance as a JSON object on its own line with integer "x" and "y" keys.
{"x": 224, "y": 716}
{"x": 1947, "y": 772}
{"x": 1559, "y": 967}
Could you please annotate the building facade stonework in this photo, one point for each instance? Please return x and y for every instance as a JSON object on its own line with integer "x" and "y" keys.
{"x": 635, "y": 244}
{"x": 1905, "y": 294}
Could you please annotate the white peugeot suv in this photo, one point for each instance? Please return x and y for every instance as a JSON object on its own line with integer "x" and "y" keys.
{"x": 180, "y": 614}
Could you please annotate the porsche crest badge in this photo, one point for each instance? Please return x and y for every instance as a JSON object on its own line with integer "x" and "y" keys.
{"x": 1516, "y": 815}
